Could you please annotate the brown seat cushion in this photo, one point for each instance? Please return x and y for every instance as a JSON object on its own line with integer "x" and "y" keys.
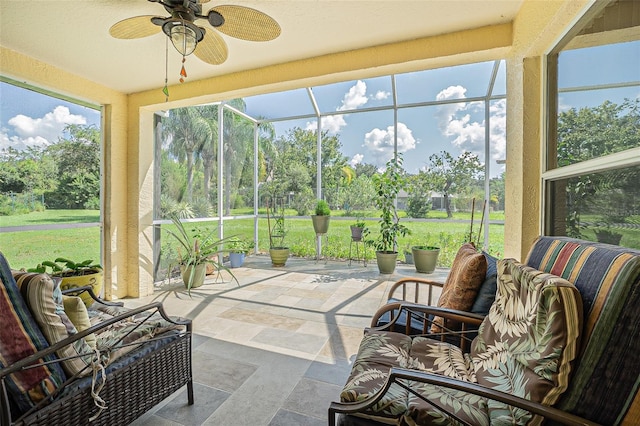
{"x": 463, "y": 282}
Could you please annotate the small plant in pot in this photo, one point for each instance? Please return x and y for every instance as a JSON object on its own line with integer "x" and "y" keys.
{"x": 357, "y": 229}
{"x": 275, "y": 222}
{"x": 387, "y": 186}
{"x": 75, "y": 274}
{"x": 425, "y": 258}
{"x": 238, "y": 249}
{"x": 195, "y": 250}
{"x": 321, "y": 218}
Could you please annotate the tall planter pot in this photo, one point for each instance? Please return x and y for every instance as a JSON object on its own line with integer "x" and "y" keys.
{"x": 386, "y": 261}
{"x": 320, "y": 224}
{"x": 94, "y": 280}
{"x": 425, "y": 258}
{"x": 279, "y": 255}
{"x": 193, "y": 274}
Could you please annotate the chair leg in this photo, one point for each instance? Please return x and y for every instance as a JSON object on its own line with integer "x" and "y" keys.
{"x": 190, "y": 399}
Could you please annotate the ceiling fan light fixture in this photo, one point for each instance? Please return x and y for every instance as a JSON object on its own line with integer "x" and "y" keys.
{"x": 184, "y": 35}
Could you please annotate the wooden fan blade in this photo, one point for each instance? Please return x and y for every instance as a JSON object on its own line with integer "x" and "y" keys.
{"x": 136, "y": 27}
{"x": 212, "y": 49}
{"x": 247, "y": 24}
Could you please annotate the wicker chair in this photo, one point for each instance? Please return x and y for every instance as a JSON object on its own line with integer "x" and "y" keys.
{"x": 601, "y": 387}
{"x": 150, "y": 371}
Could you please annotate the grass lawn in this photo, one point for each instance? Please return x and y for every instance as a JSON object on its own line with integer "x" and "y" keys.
{"x": 25, "y": 249}
{"x": 28, "y": 248}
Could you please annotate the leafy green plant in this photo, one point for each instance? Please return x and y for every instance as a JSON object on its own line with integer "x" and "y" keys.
{"x": 196, "y": 248}
{"x": 240, "y": 245}
{"x": 387, "y": 186}
{"x": 322, "y": 208}
{"x": 62, "y": 267}
{"x": 359, "y": 223}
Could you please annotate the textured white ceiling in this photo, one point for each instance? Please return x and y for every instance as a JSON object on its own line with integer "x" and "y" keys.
{"x": 74, "y": 35}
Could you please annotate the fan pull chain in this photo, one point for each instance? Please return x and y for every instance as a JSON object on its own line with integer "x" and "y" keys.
{"x": 165, "y": 89}
{"x": 183, "y": 72}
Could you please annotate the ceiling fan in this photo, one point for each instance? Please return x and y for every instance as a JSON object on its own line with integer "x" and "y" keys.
{"x": 236, "y": 21}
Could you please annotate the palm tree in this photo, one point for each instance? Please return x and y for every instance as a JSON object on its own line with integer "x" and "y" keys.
{"x": 187, "y": 131}
{"x": 209, "y": 150}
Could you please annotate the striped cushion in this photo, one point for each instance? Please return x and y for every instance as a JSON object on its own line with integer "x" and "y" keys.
{"x": 608, "y": 278}
{"x": 44, "y": 299}
{"x": 76, "y": 310}
{"x": 19, "y": 338}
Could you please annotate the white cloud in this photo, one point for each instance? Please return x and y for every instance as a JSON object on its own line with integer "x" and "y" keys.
{"x": 379, "y": 143}
{"x": 381, "y": 95}
{"x": 355, "y": 97}
{"x": 332, "y": 123}
{"x": 356, "y": 159}
{"x": 454, "y": 121}
{"x": 38, "y": 131}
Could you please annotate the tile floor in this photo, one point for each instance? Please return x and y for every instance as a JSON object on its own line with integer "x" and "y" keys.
{"x": 275, "y": 347}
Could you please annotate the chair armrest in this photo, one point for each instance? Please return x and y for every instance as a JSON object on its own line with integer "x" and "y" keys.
{"x": 405, "y": 283}
{"x": 399, "y": 375}
{"x": 26, "y": 362}
{"x": 76, "y": 291}
{"x": 418, "y": 320}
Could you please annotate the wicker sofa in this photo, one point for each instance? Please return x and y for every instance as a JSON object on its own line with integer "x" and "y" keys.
{"x": 579, "y": 300}
{"x": 64, "y": 364}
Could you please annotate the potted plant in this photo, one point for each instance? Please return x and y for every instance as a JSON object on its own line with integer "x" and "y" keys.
{"x": 75, "y": 274}
{"x": 238, "y": 249}
{"x": 357, "y": 229}
{"x": 387, "y": 185}
{"x": 195, "y": 251}
{"x": 277, "y": 250}
{"x": 425, "y": 258}
{"x": 408, "y": 255}
{"x": 321, "y": 218}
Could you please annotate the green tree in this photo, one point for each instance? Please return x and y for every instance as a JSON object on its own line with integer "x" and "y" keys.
{"x": 496, "y": 191}
{"x": 588, "y": 133}
{"x": 419, "y": 197}
{"x": 593, "y": 132}
{"x": 452, "y": 176}
{"x": 77, "y": 158}
{"x": 30, "y": 170}
{"x": 358, "y": 195}
{"x": 296, "y": 151}
{"x": 186, "y": 131}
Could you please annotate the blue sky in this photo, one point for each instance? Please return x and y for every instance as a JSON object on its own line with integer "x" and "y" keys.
{"x": 29, "y": 118}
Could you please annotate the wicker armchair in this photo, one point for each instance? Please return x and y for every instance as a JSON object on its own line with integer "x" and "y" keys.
{"x": 588, "y": 367}
{"x": 142, "y": 357}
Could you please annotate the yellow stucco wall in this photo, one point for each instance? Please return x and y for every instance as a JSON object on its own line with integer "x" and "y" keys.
{"x": 129, "y": 131}
{"x": 115, "y": 134}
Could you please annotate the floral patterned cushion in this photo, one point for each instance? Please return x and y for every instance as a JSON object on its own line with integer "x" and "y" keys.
{"x": 527, "y": 343}
{"x": 378, "y": 353}
{"x": 120, "y": 338}
{"x": 525, "y": 347}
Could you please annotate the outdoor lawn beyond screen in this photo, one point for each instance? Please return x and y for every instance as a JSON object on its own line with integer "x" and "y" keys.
{"x": 226, "y": 162}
